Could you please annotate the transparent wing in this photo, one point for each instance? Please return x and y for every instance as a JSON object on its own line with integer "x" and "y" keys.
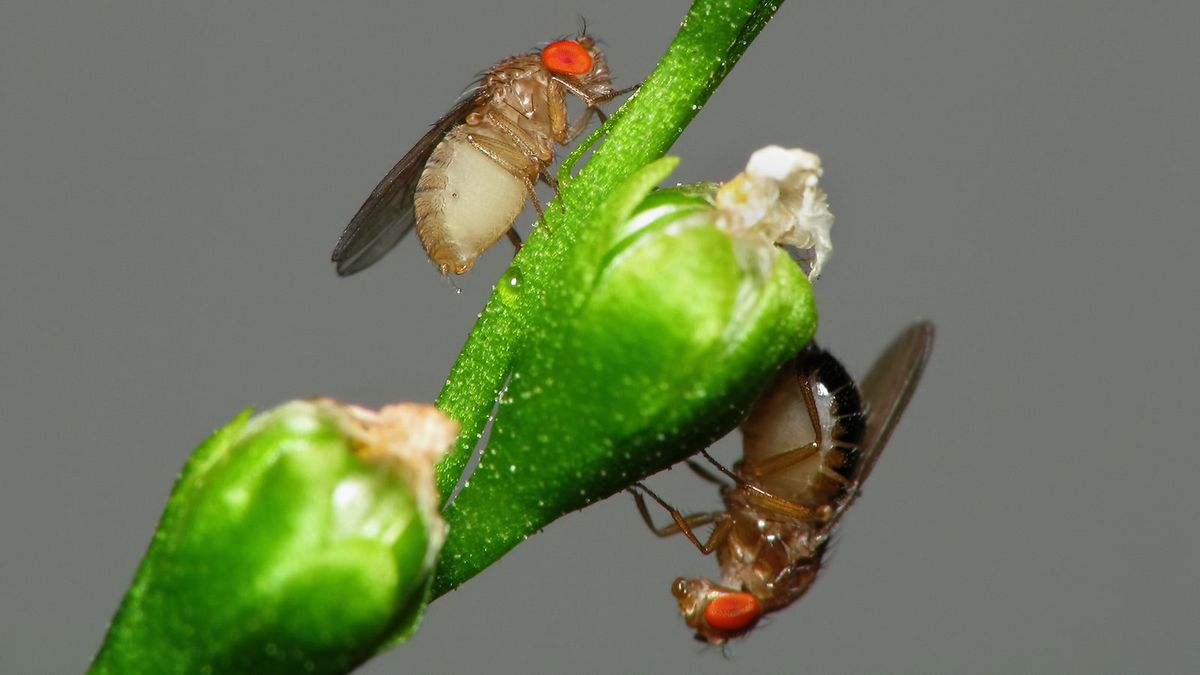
{"x": 888, "y": 387}
{"x": 387, "y": 214}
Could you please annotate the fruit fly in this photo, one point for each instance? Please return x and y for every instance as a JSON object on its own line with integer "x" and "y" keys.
{"x": 808, "y": 446}
{"x": 467, "y": 179}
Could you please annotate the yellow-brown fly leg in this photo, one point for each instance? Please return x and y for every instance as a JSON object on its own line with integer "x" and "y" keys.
{"x": 521, "y": 139}
{"x": 511, "y": 160}
{"x": 548, "y": 178}
{"x": 593, "y": 104}
{"x": 535, "y": 158}
{"x": 705, "y": 474}
{"x": 556, "y": 111}
{"x": 683, "y": 523}
{"x": 515, "y": 240}
{"x": 720, "y": 467}
{"x": 581, "y": 123}
{"x": 796, "y": 455}
{"x": 571, "y": 84}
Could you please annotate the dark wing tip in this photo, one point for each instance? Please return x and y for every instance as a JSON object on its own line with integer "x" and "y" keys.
{"x": 912, "y": 347}
{"x": 896, "y": 372}
{"x": 925, "y": 331}
{"x": 358, "y": 251}
{"x": 349, "y": 252}
{"x": 345, "y": 269}
{"x": 387, "y": 214}
{"x": 889, "y": 385}
{"x": 920, "y": 336}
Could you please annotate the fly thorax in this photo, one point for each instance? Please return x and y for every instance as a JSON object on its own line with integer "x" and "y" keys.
{"x": 531, "y": 134}
{"x": 529, "y": 101}
{"x": 765, "y": 553}
{"x": 522, "y": 103}
{"x": 793, "y": 582}
{"x": 752, "y": 552}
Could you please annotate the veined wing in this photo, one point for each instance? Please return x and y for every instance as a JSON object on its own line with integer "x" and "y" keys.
{"x": 387, "y": 214}
{"x": 888, "y": 387}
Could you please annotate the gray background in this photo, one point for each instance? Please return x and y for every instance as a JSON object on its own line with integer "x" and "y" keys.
{"x": 174, "y": 176}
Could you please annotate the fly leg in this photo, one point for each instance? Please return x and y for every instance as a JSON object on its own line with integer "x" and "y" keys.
{"x": 683, "y": 523}
{"x": 515, "y": 239}
{"x": 704, "y": 473}
{"x": 721, "y": 467}
{"x": 548, "y": 178}
{"x": 796, "y": 455}
{"x": 593, "y": 105}
{"x": 581, "y": 123}
{"x": 565, "y": 134}
{"x": 528, "y": 148}
{"x": 569, "y": 83}
{"x": 502, "y": 154}
{"x": 778, "y": 504}
{"x": 527, "y": 145}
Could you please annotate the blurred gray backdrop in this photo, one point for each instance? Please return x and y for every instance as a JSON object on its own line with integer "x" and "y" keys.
{"x": 174, "y": 175}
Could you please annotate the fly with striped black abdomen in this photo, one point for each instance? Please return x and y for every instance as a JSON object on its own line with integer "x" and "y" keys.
{"x": 808, "y": 446}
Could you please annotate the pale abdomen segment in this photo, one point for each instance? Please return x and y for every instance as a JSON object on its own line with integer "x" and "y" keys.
{"x": 464, "y": 201}
{"x": 805, "y": 456}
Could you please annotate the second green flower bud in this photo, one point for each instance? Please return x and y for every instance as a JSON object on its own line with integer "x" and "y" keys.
{"x": 692, "y": 310}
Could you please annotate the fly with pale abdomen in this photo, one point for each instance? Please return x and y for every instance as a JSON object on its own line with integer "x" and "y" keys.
{"x": 467, "y": 179}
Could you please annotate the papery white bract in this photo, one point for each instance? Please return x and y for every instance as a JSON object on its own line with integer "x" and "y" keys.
{"x": 778, "y": 198}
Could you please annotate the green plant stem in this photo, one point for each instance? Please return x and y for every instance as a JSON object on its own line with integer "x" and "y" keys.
{"x": 711, "y": 39}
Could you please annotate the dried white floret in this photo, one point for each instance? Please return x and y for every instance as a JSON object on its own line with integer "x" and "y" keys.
{"x": 778, "y": 198}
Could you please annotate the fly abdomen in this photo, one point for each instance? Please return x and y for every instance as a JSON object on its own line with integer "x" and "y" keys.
{"x": 801, "y": 441}
{"x": 466, "y": 200}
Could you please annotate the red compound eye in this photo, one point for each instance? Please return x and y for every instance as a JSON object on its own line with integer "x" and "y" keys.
{"x": 732, "y": 612}
{"x": 567, "y": 56}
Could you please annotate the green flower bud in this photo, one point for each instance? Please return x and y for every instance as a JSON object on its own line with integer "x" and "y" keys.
{"x": 299, "y": 540}
{"x": 686, "y": 322}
